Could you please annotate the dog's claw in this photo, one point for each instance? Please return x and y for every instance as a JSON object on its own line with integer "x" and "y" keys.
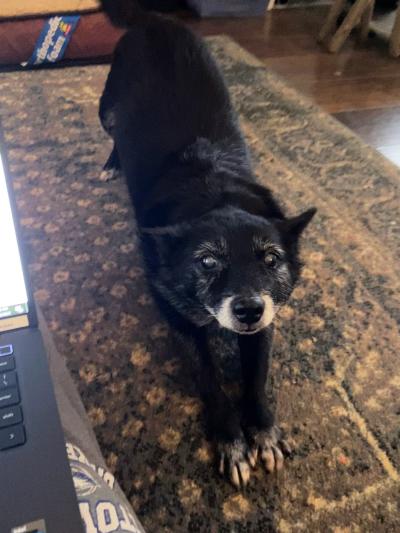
{"x": 222, "y": 464}
{"x": 235, "y": 478}
{"x": 285, "y": 447}
{"x": 252, "y": 457}
{"x": 244, "y": 471}
{"x": 278, "y": 456}
{"x": 267, "y": 456}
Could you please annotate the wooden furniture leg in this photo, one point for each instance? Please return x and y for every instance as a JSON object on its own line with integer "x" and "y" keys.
{"x": 394, "y": 43}
{"x": 352, "y": 19}
{"x": 366, "y": 21}
{"x": 329, "y": 25}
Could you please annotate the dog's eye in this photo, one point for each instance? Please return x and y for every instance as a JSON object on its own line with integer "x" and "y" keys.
{"x": 209, "y": 262}
{"x": 271, "y": 259}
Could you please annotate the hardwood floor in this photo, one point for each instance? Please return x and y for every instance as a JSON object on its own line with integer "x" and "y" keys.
{"x": 360, "y": 85}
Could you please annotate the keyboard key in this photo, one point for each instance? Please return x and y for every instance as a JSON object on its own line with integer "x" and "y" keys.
{"x": 7, "y": 380}
{"x": 10, "y": 416}
{"x": 11, "y": 437}
{"x": 9, "y": 397}
{"x": 7, "y": 363}
{"x": 6, "y": 349}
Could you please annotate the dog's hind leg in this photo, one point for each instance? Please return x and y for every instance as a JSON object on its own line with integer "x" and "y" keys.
{"x": 112, "y": 167}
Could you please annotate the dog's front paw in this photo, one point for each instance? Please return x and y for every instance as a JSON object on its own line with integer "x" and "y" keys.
{"x": 234, "y": 458}
{"x": 270, "y": 446}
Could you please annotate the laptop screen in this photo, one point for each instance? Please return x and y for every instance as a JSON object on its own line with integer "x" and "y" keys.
{"x": 13, "y": 293}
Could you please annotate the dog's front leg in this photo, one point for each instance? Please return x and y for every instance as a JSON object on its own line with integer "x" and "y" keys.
{"x": 224, "y": 419}
{"x": 264, "y": 437}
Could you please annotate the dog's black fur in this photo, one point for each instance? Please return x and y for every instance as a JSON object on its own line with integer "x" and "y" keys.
{"x": 217, "y": 246}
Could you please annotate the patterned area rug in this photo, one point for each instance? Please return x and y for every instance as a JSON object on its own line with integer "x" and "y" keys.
{"x": 336, "y": 374}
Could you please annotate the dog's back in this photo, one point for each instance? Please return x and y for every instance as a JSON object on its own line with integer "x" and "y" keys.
{"x": 165, "y": 92}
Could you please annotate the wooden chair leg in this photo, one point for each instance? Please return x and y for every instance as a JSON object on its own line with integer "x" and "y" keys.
{"x": 329, "y": 25}
{"x": 366, "y": 21}
{"x": 351, "y": 20}
{"x": 394, "y": 43}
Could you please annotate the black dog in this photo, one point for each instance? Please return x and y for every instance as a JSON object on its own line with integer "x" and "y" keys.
{"x": 217, "y": 246}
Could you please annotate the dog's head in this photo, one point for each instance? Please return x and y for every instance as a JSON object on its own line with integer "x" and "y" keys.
{"x": 229, "y": 265}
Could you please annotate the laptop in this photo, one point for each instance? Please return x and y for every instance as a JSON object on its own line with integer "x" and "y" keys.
{"x": 37, "y": 493}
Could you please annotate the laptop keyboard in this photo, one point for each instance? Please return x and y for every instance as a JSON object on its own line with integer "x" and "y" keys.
{"x": 12, "y": 431}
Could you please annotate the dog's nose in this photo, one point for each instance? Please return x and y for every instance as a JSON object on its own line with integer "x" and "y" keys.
{"x": 248, "y": 310}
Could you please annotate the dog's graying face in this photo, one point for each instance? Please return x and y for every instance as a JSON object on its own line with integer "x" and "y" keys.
{"x": 250, "y": 265}
{"x": 230, "y": 266}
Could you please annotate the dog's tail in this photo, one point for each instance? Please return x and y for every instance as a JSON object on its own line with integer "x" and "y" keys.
{"x": 123, "y": 13}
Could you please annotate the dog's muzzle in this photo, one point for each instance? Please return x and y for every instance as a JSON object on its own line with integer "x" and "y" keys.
{"x": 245, "y": 315}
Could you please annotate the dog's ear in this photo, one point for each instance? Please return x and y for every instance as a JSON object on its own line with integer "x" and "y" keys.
{"x": 162, "y": 239}
{"x": 175, "y": 230}
{"x": 294, "y": 227}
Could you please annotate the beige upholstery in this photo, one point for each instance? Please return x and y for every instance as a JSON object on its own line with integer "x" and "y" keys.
{"x": 11, "y": 8}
